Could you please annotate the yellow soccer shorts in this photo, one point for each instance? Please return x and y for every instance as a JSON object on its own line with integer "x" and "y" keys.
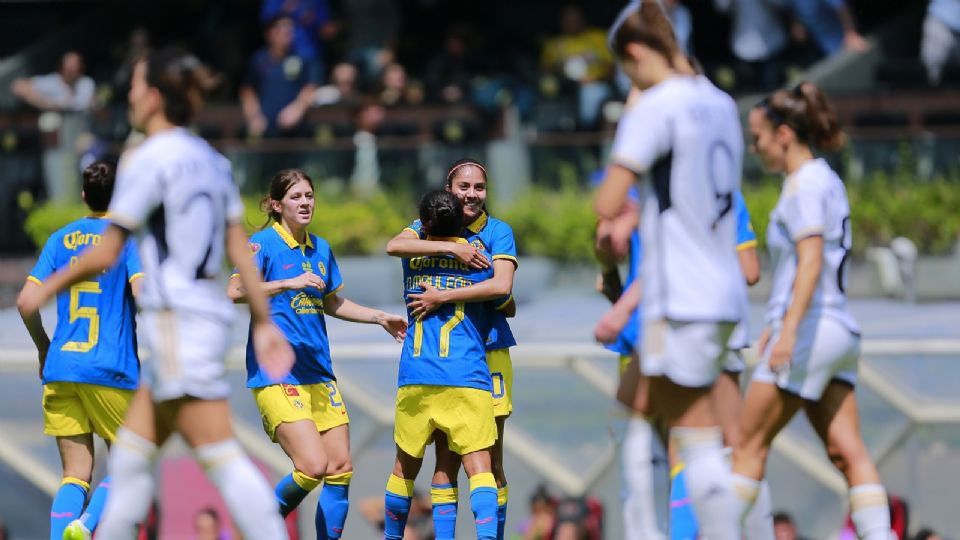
{"x": 319, "y": 402}
{"x": 464, "y": 414}
{"x": 501, "y": 371}
{"x": 71, "y": 408}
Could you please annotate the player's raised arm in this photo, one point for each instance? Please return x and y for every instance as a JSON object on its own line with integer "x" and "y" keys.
{"x": 408, "y": 244}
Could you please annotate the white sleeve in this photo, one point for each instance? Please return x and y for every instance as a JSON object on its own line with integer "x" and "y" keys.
{"x": 643, "y": 135}
{"x": 804, "y": 210}
{"x": 234, "y": 208}
{"x": 137, "y": 193}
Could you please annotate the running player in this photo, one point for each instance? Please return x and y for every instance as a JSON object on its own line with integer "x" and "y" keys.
{"x": 684, "y": 134}
{"x": 90, "y": 370}
{"x": 467, "y": 179}
{"x": 811, "y": 343}
{"x": 305, "y": 413}
{"x": 177, "y": 188}
{"x": 445, "y": 384}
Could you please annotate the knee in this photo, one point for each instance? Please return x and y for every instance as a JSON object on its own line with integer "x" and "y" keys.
{"x": 313, "y": 466}
{"x": 339, "y": 466}
{"x": 844, "y": 455}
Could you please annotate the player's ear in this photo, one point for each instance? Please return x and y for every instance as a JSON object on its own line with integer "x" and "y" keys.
{"x": 784, "y": 134}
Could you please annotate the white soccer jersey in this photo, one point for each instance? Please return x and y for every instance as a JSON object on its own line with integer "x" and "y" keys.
{"x": 813, "y": 202}
{"x": 684, "y": 134}
{"x": 178, "y": 192}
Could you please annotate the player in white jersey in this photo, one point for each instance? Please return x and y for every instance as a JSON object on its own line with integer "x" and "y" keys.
{"x": 179, "y": 193}
{"x": 811, "y": 344}
{"x": 684, "y": 135}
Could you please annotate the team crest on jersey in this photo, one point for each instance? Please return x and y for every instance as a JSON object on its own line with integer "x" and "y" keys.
{"x": 307, "y": 267}
{"x": 321, "y": 269}
{"x": 254, "y": 247}
{"x": 306, "y": 304}
{"x": 298, "y": 404}
{"x": 478, "y": 244}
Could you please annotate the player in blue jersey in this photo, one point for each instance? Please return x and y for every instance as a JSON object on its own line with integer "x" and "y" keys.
{"x": 305, "y": 412}
{"x": 467, "y": 179}
{"x": 445, "y": 383}
{"x": 90, "y": 368}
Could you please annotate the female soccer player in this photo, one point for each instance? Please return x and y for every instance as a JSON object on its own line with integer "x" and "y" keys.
{"x": 445, "y": 384}
{"x": 684, "y": 134}
{"x": 811, "y": 344}
{"x": 176, "y": 187}
{"x": 90, "y": 369}
{"x": 467, "y": 179}
{"x": 305, "y": 412}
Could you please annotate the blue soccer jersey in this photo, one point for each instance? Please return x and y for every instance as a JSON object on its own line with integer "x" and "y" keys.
{"x": 299, "y": 314}
{"x": 446, "y": 348}
{"x": 95, "y": 341}
{"x": 630, "y": 335}
{"x": 746, "y": 238}
{"x": 497, "y": 239}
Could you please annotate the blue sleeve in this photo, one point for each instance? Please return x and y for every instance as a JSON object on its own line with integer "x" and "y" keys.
{"x": 255, "y": 245}
{"x": 416, "y": 228}
{"x": 504, "y": 245}
{"x": 131, "y": 260}
{"x": 46, "y": 263}
{"x": 746, "y": 238}
{"x": 333, "y": 280}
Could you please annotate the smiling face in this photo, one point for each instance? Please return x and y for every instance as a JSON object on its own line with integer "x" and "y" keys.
{"x": 469, "y": 184}
{"x": 296, "y": 206}
{"x": 767, "y": 141}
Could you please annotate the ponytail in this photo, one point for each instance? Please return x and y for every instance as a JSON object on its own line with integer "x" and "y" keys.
{"x": 805, "y": 110}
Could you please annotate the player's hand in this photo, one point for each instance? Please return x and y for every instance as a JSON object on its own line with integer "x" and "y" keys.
{"x": 610, "y": 326}
{"x": 421, "y": 304}
{"x": 854, "y": 42}
{"x": 273, "y": 352}
{"x": 762, "y": 341}
{"x": 304, "y": 280}
{"x": 782, "y": 352}
{"x": 395, "y": 325}
{"x": 469, "y": 255}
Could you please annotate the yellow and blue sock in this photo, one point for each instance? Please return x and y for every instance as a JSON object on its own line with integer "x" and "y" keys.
{"x": 67, "y": 505}
{"x": 502, "y": 495}
{"x": 683, "y": 522}
{"x": 292, "y": 489}
{"x": 444, "y": 499}
{"x": 396, "y": 507}
{"x": 333, "y": 506}
{"x": 483, "y": 502}
{"x": 91, "y": 515}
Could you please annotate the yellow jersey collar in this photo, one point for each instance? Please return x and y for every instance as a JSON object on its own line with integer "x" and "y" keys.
{"x": 98, "y": 215}
{"x": 288, "y": 238}
{"x": 457, "y": 239}
{"x": 478, "y": 224}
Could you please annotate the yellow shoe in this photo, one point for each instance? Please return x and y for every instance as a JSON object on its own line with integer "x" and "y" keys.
{"x": 77, "y": 531}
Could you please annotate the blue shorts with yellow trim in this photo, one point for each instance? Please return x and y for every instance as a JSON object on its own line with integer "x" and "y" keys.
{"x": 71, "y": 408}
{"x": 501, "y": 371}
{"x": 321, "y": 403}
{"x": 464, "y": 414}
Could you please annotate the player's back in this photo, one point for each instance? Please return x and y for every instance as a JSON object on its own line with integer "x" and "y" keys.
{"x": 95, "y": 339}
{"x": 689, "y": 133}
{"x": 446, "y": 347}
{"x": 188, "y": 194}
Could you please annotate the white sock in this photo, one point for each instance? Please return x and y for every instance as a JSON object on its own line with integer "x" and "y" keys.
{"x": 758, "y": 524}
{"x": 131, "y": 490}
{"x": 746, "y": 491}
{"x": 870, "y": 511}
{"x": 708, "y": 481}
{"x": 248, "y": 496}
{"x": 639, "y": 514}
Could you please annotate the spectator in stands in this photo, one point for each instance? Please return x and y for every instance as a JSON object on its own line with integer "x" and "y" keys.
{"x": 342, "y": 87}
{"x": 783, "y": 527}
{"x": 451, "y": 72}
{"x": 395, "y": 88}
{"x": 758, "y": 39}
{"x": 368, "y": 115}
{"x": 580, "y": 54}
{"x": 207, "y": 525}
{"x": 373, "y": 27}
{"x": 576, "y": 521}
{"x": 927, "y": 534}
{"x": 542, "y": 519}
{"x": 279, "y": 85}
{"x": 137, "y": 47}
{"x": 940, "y": 44}
{"x": 830, "y": 24}
{"x": 4, "y": 534}
{"x": 312, "y": 25}
{"x": 67, "y": 89}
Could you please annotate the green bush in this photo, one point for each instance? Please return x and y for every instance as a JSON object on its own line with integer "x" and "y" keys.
{"x": 559, "y": 223}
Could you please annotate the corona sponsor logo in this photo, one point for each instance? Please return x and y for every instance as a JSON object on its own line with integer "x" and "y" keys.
{"x": 306, "y": 304}
{"x": 76, "y": 239}
{"x": 443, "y": 263}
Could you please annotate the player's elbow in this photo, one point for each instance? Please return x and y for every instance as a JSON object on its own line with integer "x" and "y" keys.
{"x": 752, "y": 276}
{"x": 395, "y": 247}
{"x": 23, "y": 301}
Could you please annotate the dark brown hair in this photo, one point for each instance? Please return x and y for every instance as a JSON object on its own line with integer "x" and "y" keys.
{"x": 805, "y": 110}
{"x": 98, "y": 181}
{"x": 459, "y": 165}
{"x": 441, "y": 213}
{"x": 648, "y": 25}
{"x": 182, "y": 81}
{"x": 280, "y": 184}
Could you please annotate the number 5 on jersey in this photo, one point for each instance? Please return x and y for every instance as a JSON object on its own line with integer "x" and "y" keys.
{"x": 89, "y": 313}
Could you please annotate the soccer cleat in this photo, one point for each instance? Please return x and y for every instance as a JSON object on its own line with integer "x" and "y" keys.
{"x": 76, "y": 530}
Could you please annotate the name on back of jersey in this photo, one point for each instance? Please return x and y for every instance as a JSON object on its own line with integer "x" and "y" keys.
{"x": 77, "y": 239}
